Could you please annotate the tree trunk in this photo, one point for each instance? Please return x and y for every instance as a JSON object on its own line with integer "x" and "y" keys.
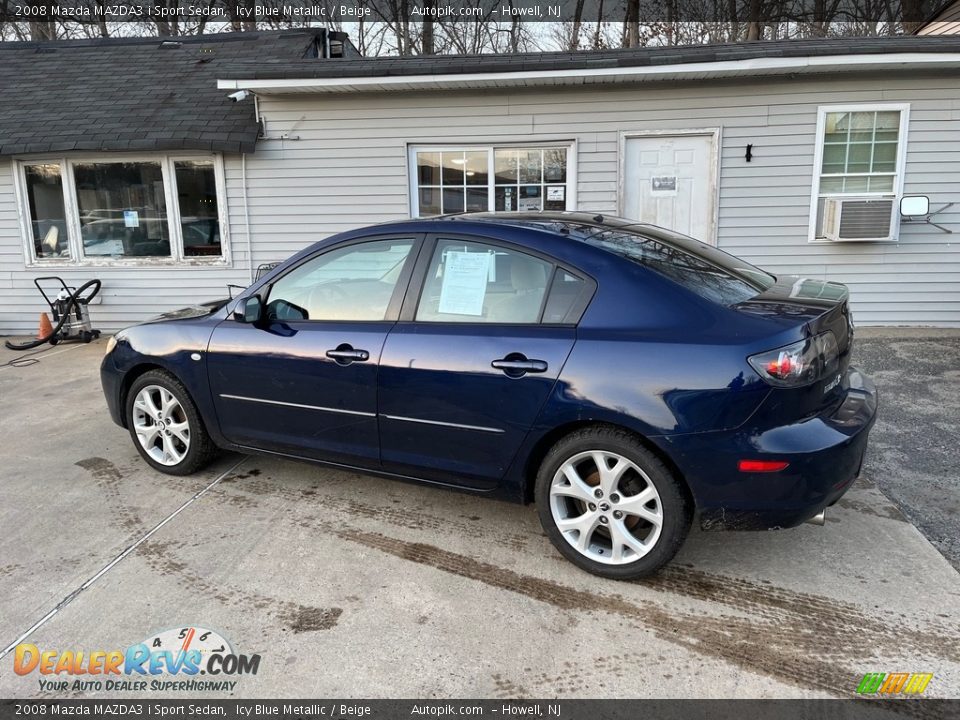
{"x": 913, "y": 15}
{"x": 43, "y": 30}
{"x": 631, "y": 30}
{"x": 597, "y": 44}
{"x": 427, "y": 45}
{"x": 577, "y": 21}
{"x": 754, "y": 28}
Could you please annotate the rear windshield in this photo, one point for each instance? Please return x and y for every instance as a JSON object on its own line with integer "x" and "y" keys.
{"x": 705, "y": 270}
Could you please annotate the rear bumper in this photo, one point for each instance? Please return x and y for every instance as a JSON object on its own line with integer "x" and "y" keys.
{"x": 825, "y": 453}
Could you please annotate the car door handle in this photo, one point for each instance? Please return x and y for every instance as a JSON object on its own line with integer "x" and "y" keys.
{"x": 515, "y": 365}
{"x": 344, "y": 354}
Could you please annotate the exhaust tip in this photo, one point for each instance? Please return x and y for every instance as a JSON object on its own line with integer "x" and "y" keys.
{"x": 819, "y": 519}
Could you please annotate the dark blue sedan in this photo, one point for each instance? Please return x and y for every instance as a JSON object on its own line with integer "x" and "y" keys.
{"x": 621, "y": 376}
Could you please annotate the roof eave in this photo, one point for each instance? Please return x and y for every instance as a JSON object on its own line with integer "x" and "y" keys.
{"x": 580, "y": 76}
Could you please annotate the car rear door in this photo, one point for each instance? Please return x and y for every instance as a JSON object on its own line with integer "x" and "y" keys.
{"x": 483, "y": 335}
{"x": 303, "y": 379}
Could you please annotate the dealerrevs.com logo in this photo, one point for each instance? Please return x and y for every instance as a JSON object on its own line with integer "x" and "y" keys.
{"x": 168, "y": 661}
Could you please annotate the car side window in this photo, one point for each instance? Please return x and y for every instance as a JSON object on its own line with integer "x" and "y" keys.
{"x": 472, "y": 282}
{"x": 354, "y": 282}
{"x": 567, "y": 300}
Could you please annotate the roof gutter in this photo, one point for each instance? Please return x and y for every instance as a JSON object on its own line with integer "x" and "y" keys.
{"x": 724, "y": 68}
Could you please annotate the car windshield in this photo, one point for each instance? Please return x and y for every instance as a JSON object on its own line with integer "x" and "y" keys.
{"x": 701, "y": 268}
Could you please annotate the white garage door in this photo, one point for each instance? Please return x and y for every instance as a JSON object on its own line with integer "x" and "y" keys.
{"x": 669, "y": 180}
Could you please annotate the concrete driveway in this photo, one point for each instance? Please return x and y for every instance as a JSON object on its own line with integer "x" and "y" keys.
{"x": 356, "y": 587}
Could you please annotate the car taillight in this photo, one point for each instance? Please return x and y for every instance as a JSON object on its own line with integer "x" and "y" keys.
{"x": 801, "y": 363}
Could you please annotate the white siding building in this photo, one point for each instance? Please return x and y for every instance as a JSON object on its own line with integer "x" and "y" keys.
{"x": 793, "y": 155}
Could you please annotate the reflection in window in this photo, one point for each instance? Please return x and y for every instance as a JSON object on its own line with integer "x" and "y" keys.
{"x": 48, "y": 224}
{"x": 526, "y": 179}
{"x": 530, "y": 179}
{"x": 452, "y": 181}
{"x": 122, "y": 209}
{"x": 199, "y": 217}
{"x": 351, "y": 283}
{"x": 709, "y": 280}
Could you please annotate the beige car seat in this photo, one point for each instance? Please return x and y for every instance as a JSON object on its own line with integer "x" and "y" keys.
{"x": 528, "y": 277}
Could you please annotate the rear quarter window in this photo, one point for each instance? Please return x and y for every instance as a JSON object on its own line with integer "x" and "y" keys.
{"x": 568, "y": 298}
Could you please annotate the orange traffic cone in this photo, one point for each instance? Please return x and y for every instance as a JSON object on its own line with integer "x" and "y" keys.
{"x": 46, "y": 329}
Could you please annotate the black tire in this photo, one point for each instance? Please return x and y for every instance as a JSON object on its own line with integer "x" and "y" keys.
{"x": 201, "y": 449}
{"x": 673, "y": 504}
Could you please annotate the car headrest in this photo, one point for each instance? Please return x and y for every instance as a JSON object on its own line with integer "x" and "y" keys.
{"x": 527, "y": 274}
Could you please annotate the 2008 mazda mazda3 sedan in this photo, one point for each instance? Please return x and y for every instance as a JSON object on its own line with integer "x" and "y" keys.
{"x": 621, "y": 376}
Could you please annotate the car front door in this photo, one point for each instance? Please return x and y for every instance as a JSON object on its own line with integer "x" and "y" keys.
{"x": 467, "y": 369}
{"x": 302, "y": 379}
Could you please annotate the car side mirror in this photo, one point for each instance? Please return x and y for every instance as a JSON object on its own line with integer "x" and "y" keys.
{"x": 914, "y": 206}
{"x": 248, "y": 310}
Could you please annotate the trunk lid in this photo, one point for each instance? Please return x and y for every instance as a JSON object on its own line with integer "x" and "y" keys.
{"x": 819, "y": 304}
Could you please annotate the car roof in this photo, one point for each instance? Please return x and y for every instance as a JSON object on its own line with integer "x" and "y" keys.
{"x": 523, "y": 218}
{"x": 557, "y": 223}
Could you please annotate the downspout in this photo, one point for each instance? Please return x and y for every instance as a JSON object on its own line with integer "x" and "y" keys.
{"x": 243, "y": 180}
{"x": 246, "y": 213}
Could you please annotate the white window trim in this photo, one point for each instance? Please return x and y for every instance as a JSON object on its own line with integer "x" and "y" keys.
{"x": 71, "y": 209}
{"x": 897, "y": 193}
{"x": 413, "y": 185}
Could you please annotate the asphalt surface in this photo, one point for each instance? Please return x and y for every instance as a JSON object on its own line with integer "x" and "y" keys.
{"x": 350, "y": 586}
{"x": 914, "y": 455}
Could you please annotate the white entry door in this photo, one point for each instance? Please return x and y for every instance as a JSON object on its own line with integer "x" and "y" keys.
{"x": 669, "y": 180}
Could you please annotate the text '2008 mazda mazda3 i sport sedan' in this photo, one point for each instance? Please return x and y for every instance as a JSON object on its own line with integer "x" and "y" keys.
{"x": 621, "y": 376}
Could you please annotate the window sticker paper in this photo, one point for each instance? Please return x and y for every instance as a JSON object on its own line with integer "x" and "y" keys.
{"x": 464, "y": 283}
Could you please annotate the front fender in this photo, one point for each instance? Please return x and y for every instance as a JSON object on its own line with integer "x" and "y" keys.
{"x": 176, "y": 347}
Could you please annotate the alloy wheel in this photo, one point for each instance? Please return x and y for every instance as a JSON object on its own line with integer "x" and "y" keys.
{"x": 161, "y": 425}
{"x": 606, "y": 507}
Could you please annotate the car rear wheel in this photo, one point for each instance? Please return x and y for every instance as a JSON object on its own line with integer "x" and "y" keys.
{"x": 611, "y": 506}
{"x": 165, "y": 425}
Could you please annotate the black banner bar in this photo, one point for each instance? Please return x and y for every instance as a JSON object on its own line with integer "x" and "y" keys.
{"x": 585, "y": 11}
{"x": 854, "y": 709}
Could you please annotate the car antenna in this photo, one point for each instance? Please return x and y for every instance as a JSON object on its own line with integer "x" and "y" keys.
{"x": 598, "y": 218}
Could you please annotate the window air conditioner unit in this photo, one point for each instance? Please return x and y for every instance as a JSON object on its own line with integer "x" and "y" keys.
{"x": 858, "y": 219}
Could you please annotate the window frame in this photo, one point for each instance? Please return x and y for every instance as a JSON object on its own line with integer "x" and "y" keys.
{"x": 899, "y": 173}
{"x": 413, "y": 184}
{"x": 167, "y": 162}
{"x": 400, "y": 291}
{"x": 418, "y": 282}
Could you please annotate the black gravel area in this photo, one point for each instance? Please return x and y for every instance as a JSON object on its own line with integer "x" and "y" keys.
{"x": 914, "y": 453}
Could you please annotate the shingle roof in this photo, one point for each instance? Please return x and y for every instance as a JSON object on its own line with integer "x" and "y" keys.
{"x": 135, "y": 93}
{"x": 634, "y": 57}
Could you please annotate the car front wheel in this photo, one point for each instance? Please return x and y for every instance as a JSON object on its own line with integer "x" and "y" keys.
{"x": 166, "y": 426}
{"x": 611, "y": 506}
